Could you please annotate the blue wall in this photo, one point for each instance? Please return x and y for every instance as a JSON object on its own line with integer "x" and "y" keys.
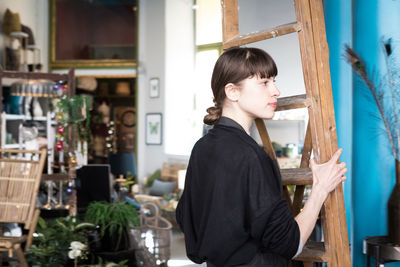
{"x": 362, "y": 23}
{"x": 336, "y": 16}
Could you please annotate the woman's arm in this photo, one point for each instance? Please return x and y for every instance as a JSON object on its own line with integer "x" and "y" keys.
{"x": 326, "y": 178}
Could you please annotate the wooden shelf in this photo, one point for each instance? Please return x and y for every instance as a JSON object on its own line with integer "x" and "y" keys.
{"x": 114, "y": 96}
{"x": 24, "y": 117}
{"x": 56, "y": 177}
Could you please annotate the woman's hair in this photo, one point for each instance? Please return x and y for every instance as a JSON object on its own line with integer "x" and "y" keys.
{"x": 233, "y": 66}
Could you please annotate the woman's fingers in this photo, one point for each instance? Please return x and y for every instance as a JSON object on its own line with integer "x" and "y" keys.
{"x": 336, "y": 155}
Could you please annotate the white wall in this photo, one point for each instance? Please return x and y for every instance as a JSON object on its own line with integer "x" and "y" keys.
{"x": 166, "y": 52}
{"x": 35, "y": 15}
{"x": 151, "y": 54}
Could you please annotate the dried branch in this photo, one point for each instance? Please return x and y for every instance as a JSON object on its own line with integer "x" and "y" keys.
{"x": 387, "y": 48}
{"x": 359, "y": 66}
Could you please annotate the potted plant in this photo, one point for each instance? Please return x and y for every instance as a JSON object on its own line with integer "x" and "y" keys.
{"x": 52, "y": 243}
{"x": 114, "y": 221}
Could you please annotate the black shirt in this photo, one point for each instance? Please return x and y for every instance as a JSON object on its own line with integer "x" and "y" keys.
{"x": 232, "y": 205}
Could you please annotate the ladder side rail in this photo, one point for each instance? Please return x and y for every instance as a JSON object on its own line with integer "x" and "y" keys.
{"x": 306, "y": 42}
{"x": 313, "y": 45}
{"x": 305, "y": 158}
{"x": 322, "y": 54}
{"x": 230, "y": 20}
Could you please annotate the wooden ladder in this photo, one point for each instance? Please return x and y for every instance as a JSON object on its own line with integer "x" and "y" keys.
{"x": 320, "y": 136}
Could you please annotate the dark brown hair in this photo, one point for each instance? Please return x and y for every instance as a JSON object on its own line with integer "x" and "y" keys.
{"x": 233, "y": 66}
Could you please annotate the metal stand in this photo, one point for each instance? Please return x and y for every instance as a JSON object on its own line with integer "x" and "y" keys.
{"x": 381, "y": 249}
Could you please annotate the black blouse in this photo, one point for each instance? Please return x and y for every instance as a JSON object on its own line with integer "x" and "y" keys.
{"x": 232, "y": 206}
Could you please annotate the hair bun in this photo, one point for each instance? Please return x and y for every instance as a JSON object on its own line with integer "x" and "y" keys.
{"x": 214, "y": 114}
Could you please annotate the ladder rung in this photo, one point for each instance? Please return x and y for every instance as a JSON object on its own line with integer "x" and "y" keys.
{"x": 263, "y": 35}
{"x": 292, "y": 102}
{"x": 296, "y": 176}
{"x": 313, "y": 252}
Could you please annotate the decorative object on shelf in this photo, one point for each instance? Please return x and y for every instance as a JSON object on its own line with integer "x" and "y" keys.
{"x": 37, "y": 110}
{"x": 125, "y": 118}
{"x": 123, "y": 88}
{"x": 87, "y": 83}
{"x": 103, "y": 88}
{"x": 49, "y": 204}
{"x": 153, "y": 129}
{"x": 36, "y": 88}
{"x": 12, "y": 58}
{"x": 154, "y": 88}
{"x": 388, "y": 102}
{"x": 110, "y": 139}
{"x": 104, "y": 109}
{"x": 11, "y": 22}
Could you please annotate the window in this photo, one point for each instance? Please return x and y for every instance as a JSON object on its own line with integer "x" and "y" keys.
{"x": 196, "y": 96}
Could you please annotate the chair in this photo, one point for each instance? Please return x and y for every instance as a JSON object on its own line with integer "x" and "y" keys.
{"x": 20, "y": 175}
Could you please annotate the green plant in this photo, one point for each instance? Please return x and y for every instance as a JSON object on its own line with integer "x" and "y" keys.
{"x": 52, "y": 241}
{"x": 76, "y": 111}
{"x": 154, "y": 176}
{"x": 108, "y": 264}
{"x": 114, "y": 218}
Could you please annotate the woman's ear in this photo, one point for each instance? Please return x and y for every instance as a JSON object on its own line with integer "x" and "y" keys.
{"x": 232, "y": 92}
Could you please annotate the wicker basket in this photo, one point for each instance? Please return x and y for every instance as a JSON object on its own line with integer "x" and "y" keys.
{"x": 156, "y": 232}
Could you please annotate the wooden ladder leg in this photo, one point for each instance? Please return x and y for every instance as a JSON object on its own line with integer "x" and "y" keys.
{"x": 32, "y": 229}
{"x": 20, "y": 255}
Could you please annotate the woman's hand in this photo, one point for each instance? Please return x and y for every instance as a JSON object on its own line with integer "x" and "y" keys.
{"x": 328, "y": 175}
{"x": 325, "y": 178}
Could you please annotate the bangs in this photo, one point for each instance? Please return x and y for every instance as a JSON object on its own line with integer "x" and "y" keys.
{"x": 259, "y": 63}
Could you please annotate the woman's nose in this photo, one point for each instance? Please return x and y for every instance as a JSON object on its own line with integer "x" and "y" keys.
{"x": 276, "y": 91}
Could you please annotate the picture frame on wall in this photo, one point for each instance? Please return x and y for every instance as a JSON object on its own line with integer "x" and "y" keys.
{"x": 154, "y": 88}
{"x": 107, "y": 35}
{"x": 153, "y": 129}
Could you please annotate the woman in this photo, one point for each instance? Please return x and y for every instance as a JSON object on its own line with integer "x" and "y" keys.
{"x": 232, "y": 211}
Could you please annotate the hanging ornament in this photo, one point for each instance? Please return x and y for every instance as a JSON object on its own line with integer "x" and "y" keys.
{"x": 60, "y": 129}
{"x": 60, "y": 145}
{"x": 68, "y": 190}
{"x": 72, "y": 160}
{"x": 59, "y": 116}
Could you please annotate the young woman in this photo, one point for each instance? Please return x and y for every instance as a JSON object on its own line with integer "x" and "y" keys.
{"x": 232, "y": 211}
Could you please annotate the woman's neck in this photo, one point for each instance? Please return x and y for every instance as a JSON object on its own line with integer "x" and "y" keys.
{"x": 242, "y": 119}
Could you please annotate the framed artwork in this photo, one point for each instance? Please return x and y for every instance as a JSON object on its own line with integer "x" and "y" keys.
{"x": 153, "y": 129}
{"x": 107, "y": 34}
{"x": 154, "y": 88}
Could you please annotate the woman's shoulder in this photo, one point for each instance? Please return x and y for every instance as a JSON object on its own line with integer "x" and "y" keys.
{"x": 230, "y": 140}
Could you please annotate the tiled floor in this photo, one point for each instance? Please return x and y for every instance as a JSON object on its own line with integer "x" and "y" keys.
{"x": 178, "y": 252}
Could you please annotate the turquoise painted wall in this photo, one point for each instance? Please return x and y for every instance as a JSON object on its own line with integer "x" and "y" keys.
{"x": 341, "y": 77}
{"x": 362, "y": 23}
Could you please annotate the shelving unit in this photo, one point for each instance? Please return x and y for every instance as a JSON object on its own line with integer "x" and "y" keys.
{"x": 107, "y": 90}
{"x": 8, "y": 77}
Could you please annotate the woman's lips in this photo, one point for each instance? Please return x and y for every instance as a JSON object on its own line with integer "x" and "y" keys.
{"x": 273, "y": 105}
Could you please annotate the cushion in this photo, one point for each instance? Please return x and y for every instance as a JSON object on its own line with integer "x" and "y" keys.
{"x": 161, "y": 188}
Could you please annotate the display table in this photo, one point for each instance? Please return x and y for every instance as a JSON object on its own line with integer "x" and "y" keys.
{"x": 381, "y": 249}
